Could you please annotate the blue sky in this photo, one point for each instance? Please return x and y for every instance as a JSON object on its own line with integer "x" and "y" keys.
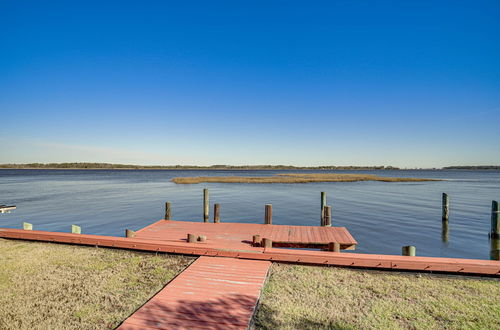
{"x": 403, "y": 83}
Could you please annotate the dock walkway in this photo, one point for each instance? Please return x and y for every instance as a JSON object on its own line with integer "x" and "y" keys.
{"x": 212, "y": 293}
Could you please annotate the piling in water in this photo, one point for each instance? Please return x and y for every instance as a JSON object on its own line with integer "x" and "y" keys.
{"x": 445, "y": 231}
{"x": 445, "y": 207}
{"x": 168, "y": 211}
{"x": 76, "y": 229}
{"x": 327, "y": 221}
{"x": 268, "y": 218}
{"x": 129, "y": 233}
{"x": 323, "y": 204}
{"x": 216, "y": 213}
{"x": 409, "y": 250}
{"x": 495, "y": 248}
{"x": 205, "y": 205}
{"x": 495, "y": 220}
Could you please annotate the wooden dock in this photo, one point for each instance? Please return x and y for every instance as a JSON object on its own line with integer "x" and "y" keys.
{"x": 238, "y": 236}
{"x": 212, "y": 293}
{"x": 219, "y": 244}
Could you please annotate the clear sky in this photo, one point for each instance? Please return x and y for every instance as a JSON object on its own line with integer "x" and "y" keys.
{"x": 403, "y": 83}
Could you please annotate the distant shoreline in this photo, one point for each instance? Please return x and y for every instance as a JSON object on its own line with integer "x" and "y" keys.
{"x": 107, "y": 166}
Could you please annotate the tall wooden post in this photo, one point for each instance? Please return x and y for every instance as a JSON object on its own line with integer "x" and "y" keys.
{"x": 216, "y": 213}
{"x": 168, "y": 211}
{"x": 445, "y": 231}
{"x": 327, "y": 219}
{"x": 205, "y": 205}
{"x": 445, "y": 207}
{"x": 409, "y": 250}
{"x": 323, "y": 204}
{"x": 495, "y": 220}
{"x": 268, "y": 219}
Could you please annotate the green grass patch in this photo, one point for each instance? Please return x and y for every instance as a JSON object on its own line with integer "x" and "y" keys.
{"x": 53, "y": 286}
{"x": 306, "y": 297}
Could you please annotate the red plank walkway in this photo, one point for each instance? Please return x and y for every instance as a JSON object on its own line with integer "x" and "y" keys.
{"x": 212, "y": 293}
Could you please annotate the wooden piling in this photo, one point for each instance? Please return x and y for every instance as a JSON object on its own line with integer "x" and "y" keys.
{"x": 168, "y": 211}
{"x": 495, "y": 220}
{"x": 495, "y": 249}
{"x": 205, "y": 205}
{"x": 27, "y": 226}
{"x": 268, "y": 219}
{"x": 129, "y": 233}
{"x": 327, "y": 221}
{"x": 216, "y": 213}
{"x": 202, "y": 238}
{"x": 267, "y": 242}
{"x": 445, "y": 207}
{"x": 444, "y": 231}
{"x": 323, "y": 204}
{"x": 256, "y": 240}
{"x": 409, "y": 250}
{"x": 191, "y": 238}
{"x": 334, "y": 246}
{"x": 76, "y": 229}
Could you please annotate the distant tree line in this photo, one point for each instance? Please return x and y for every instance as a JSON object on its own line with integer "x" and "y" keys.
{"x": 187, "y": 167}
{"x": 479, "y": 167}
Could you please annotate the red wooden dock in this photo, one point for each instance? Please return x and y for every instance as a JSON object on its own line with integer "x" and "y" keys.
{"x": 216, "y": 246}
{"x": 238, "y": 236}
{"x": 212, "y": 293}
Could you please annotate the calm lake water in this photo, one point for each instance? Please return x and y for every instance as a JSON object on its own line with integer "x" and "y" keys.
{"x": 381, "y": 216}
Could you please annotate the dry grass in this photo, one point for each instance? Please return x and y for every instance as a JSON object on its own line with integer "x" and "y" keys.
{"x": 51, "y": 286}
{"x": 295, "y": 178}
{"x": 305, "y": 297}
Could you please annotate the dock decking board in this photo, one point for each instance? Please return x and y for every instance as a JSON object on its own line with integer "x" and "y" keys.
{"x": 212, "y": 293}
{"x": 239, "y": 235}
{"x": 427, "y": 264}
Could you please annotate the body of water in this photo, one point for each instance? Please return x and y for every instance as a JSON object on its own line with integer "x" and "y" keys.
{"x": 381, "y": 216}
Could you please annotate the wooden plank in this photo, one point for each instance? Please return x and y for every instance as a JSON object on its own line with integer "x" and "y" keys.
{"x": 206, "y": 295}
{"x": 220, "y": 249}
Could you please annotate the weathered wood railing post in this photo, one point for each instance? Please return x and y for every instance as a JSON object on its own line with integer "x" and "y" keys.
{"x": 327, "y": 219}
{"x": 216, "y": 213}
{"x": 129, "y": 233}
{"x": 76, "y": 229}
{"x": 495, "y": 220}
{"x": 409, "y": 250}
{"x": 323, "y": 204}
{"x": 268, "y": 218}
{"x": 27, "y": 226}
{"x": 168, "y": 211}
{"x": 445, "y": 207}
{"x": 205, "y": 205}
{"x": 444, "y": 231}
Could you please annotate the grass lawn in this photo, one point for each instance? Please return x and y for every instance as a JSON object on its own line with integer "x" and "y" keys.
{"x": 53, "y": 286}
{"x": 305, "y": 297}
